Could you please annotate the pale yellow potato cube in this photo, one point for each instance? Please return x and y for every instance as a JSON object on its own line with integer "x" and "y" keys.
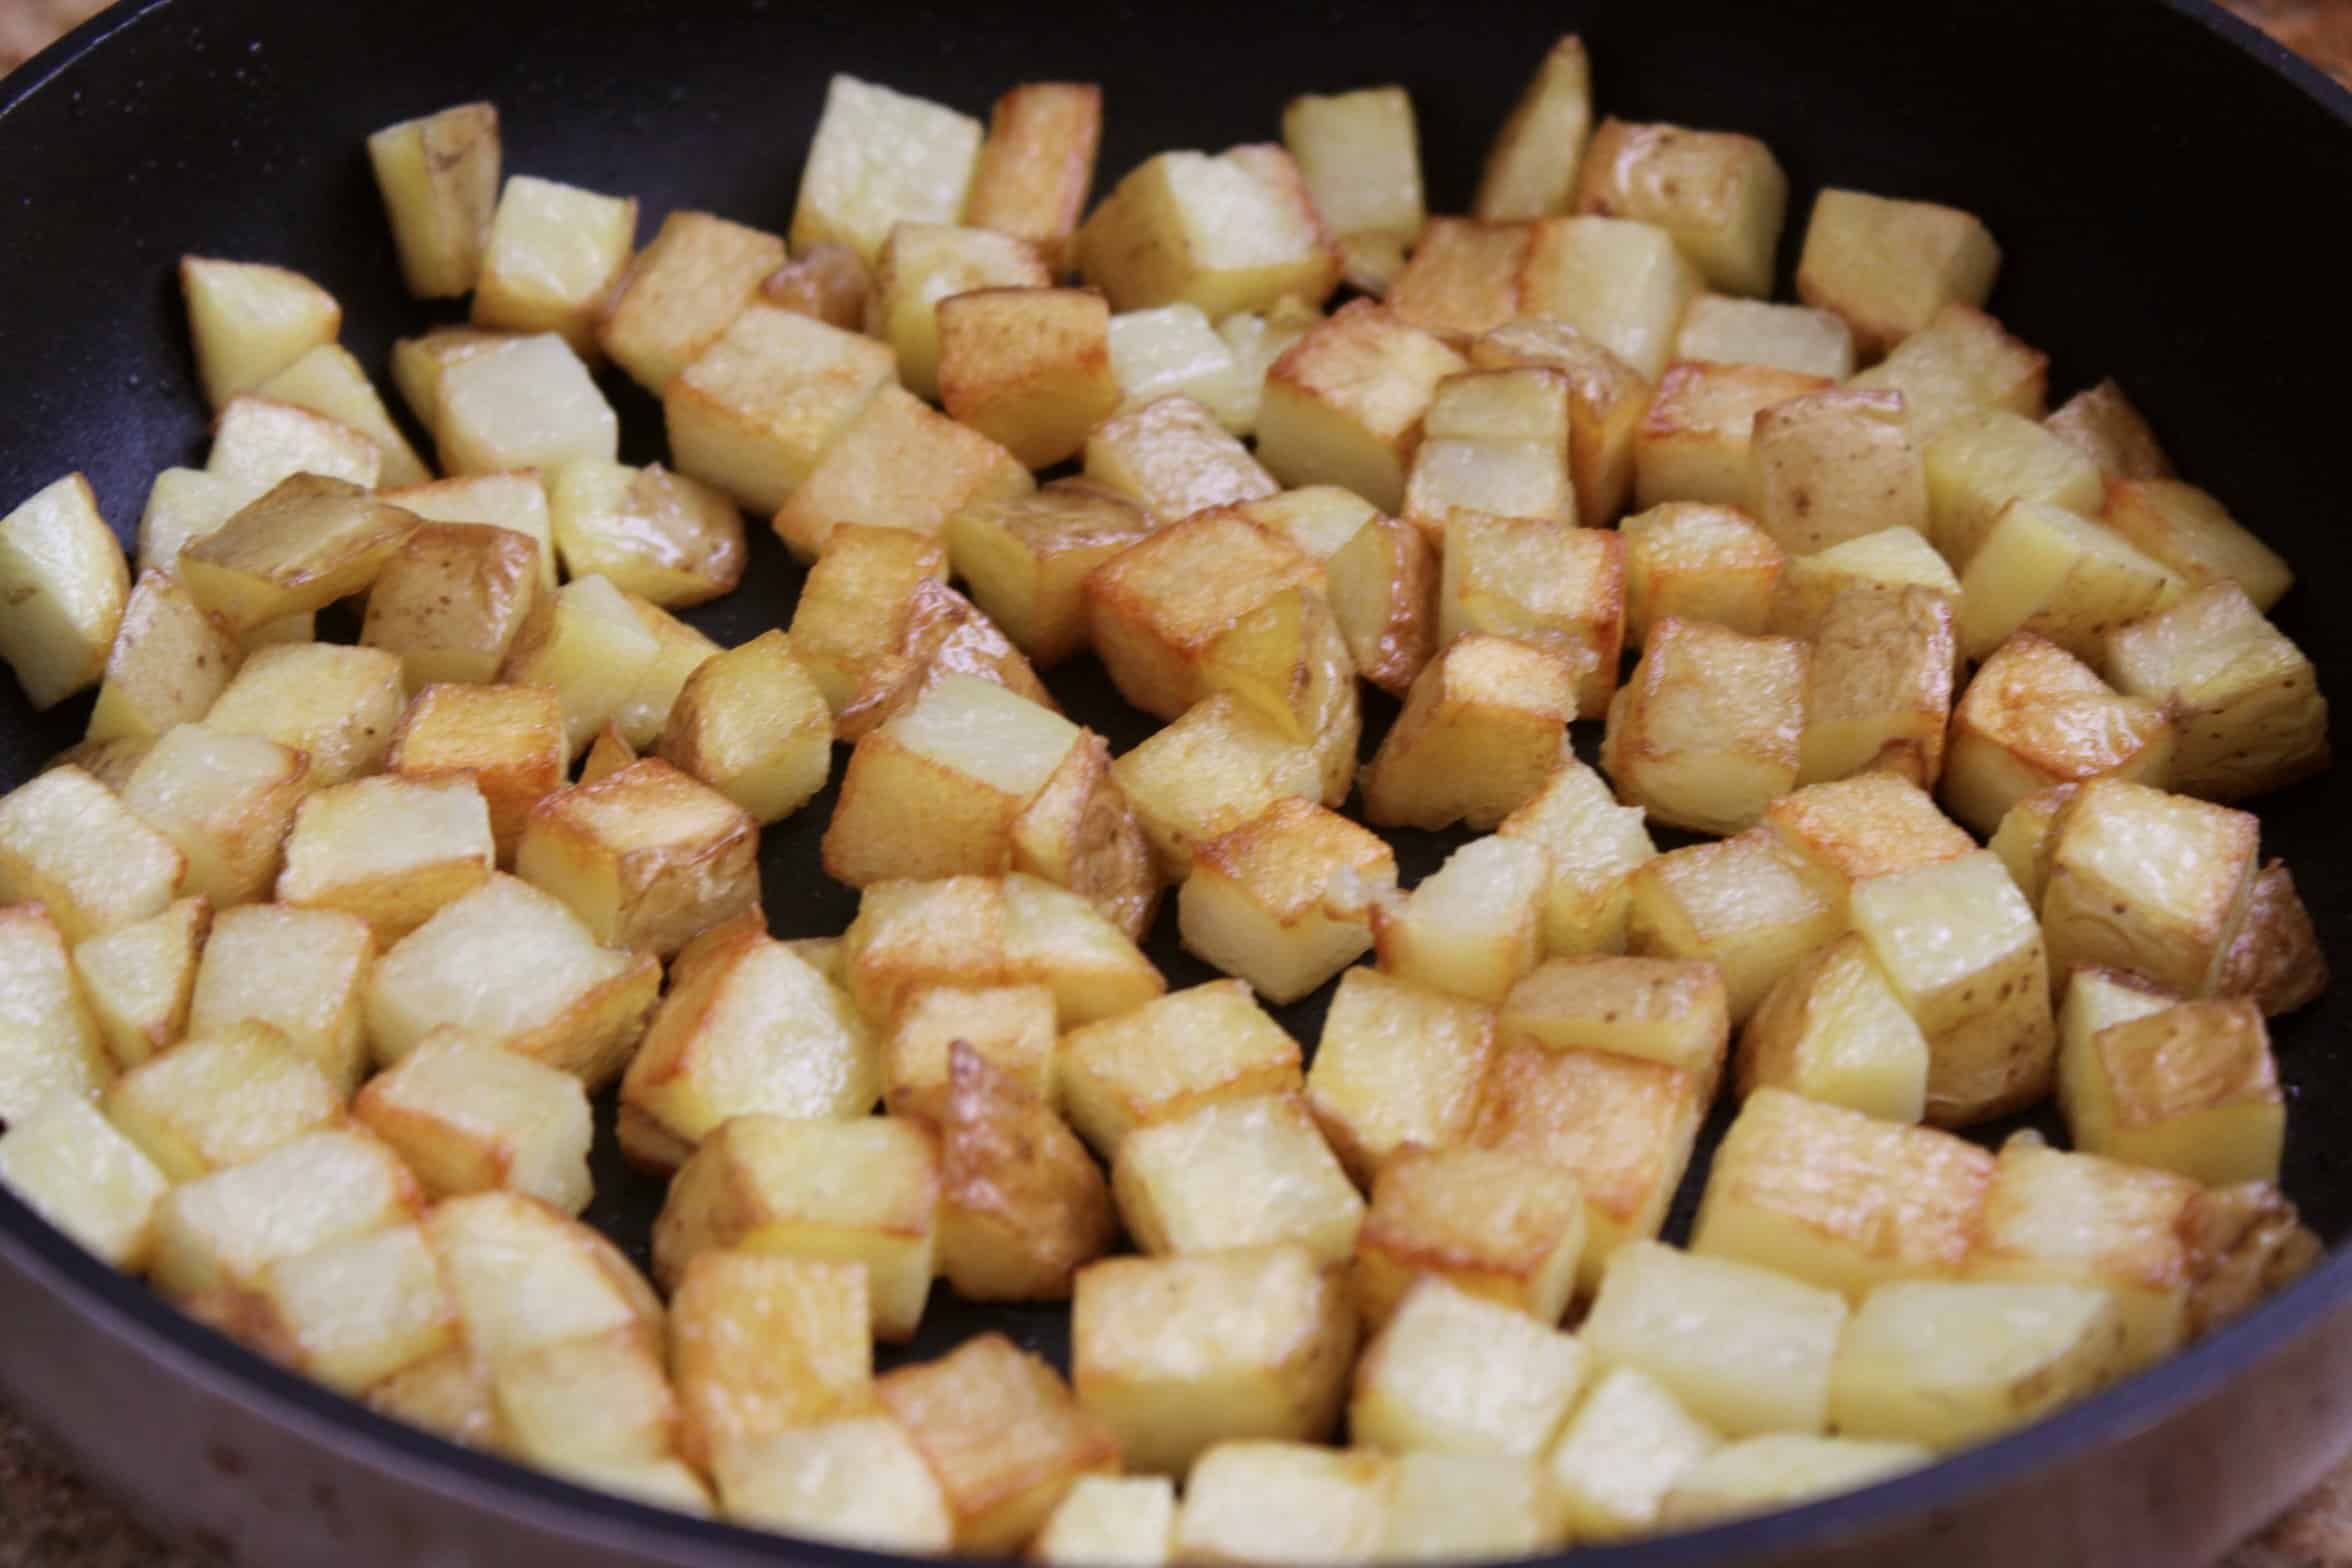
{"x": 1011, "y": 1025}
{"x": 2096, "y": 1000}
{"x": 1698, "y": 563}
{"x": 1257, "y": 339}
{"x": 1320, "y": 519}
{"x": 66, "y": 584}
{"x": 2192, "y": 1089}
{"x": 554, "y": 256}
{"x": 2101, "y": 423}
{"x": 2194, "y": 534}
{"x": 1724, "y": 330}
{"x": 210, "y": 1103}
{"x": 2035, "y": 716}
{"x": 308, "y": 542}
{"x": 1361, "y": 160}
{"x": 2148, "y": 882}
{"x": 681, "y": 291}
{"x": 471, "y": 1117}
{"x": 1463, "y": 278}
{"x": 1962, "y": 362}
{"x": 1473, "y": 927}
{"x": 1481, "y": 732}
{"x": 1980, "y": 462}
{"x": 110, "y": 762}
{"x": 602, "y": 1399}
{"x": 348, "y": 1314}
{"x": 513, "y": 966}
{"x": 1229, "y": 233}
{"x": 1037, "y": 165}
{"x": 1887, "y": 266}
{"x": 1835, "y": 465}
{"x": 1206, "y": 1045}
{"x": 249, "y": 321}
{"x": 1217, "y": 767}
{"x": 792, "y": 1481}
{"x": 1704, "y": 734}
{"x": 1531, "y": 167}
{"x": 922, "y": 264}
{"x": 1285, "y": 901}
{"x": 258, "y": 444}
{"x": 1697, "y": 440}
{"x": 1838, "y": 1198}
{"x": 226, "y": 800}
{"x": 1745, "y": 1349}
{"x": 1722, "y": 196}
{"x": 1460, "y": 1374}
{"x": 1493, "y": 442}
{"x": 1886, "y": 563}
{"x": 328, "y": 381}
{"x": 1173, "y": 459}
{"x": 224, "y": 1230}
{"x": 1031, "y": 368}
{"x": 68, "y": 843}
{"x": 1781, "y": 1470}
{"x": 438, "y": 175}
{"x": 419, "y": 362}
{"x": 753, "y": 412}
{"x": 67, "y": 1163}
{"x": 1559, "y": 590}
{"x": 759, "y": 1345}
{"x": 302, "y": 972}
{"x": 516, "y": 502}
{"x": 1673, "y": 1011}
{"x": 1607, "y": 398}
{"x": 645, "y": 858}
{"x": 678, "y": 651}
{"x": 1492, "y": 1223}
{"x": 1594, "y": 845}
{"x": 826, "y": 282}
{"x": 526, "y": 1277}
{"x": 1834, "y": 1030}
{"x": 751, "y": 724}
{"x": 589, "y": 645}
{"x": 1261, "y": 1502}
{"x": 880, "y": 158}
{"x": 1236, "y": 1173}
{"x": 1620, "y": 282}
{"x": 1177, "y": 1354}
{"x": 507, "y": 739}
{"x": 1621, "y": 1453}
{"x": 1344, "y": 404}
{"x": 1744, "y": 904}
{"x": 390, "y": 850}
{"x": 1174, "y": 351}
{"x": 137, "y": 979}
{"x": 1396, "y": 1064}
{"x": 1025, "y": 558}
{"x": 1109, "y": 1521}
{"x": 654, "y": 533}
{"x": 1623, "y": 1128}
{"x": 863, "y": 1191}
{"x": 2245, "y": 701}
{"x": 1872, "y": 825}
{"x": 184, "y": 504}
{"x": 525, "y": 403}
{"x": 909, "y": 936}
{"x": 2044, "y": 569}
{"x": 1952, "y": 1363}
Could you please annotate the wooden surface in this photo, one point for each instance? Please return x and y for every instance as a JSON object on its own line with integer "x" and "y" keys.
{"x": 50, "y": 1517}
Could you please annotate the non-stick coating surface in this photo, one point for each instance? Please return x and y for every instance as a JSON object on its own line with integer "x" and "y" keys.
{"x": 2161, "y": 196}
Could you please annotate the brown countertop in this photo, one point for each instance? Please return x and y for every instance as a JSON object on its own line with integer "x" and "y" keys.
{"x": 50, "y": 1517}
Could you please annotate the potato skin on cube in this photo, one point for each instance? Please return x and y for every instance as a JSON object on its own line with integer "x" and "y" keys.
{"x": 1887, "y": 266}
{"x": 645, "y": 858}
{"x": 1705, "y": 733}
{"x": 2034, "y": 716}
{"x": 1481, "y": 729}
{"x": 1721, "y": 195}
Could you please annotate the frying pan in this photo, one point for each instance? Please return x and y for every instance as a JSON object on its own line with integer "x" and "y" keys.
{"x": 2158, "y": 174}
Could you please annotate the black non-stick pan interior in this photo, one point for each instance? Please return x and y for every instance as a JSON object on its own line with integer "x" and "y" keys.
{"x": 2161, "y": 181}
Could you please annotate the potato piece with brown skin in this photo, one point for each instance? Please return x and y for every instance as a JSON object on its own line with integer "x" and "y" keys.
{"x": 1667, "y": 1010}
{"x": 1172, "y": 458}
{"x": 508, "y": 739}
{"x": 1028, "y": 367}
{"x": 302, "y": 546}
{"x": 1606, "y": 400}
{"x": 826, "y": 283}
{"x": 1464, "y": 277}
{"x": 1887, "y": 266}
{"x": 646, "y": 857}
{"x": 653, "y": 533}
{"x": 942, "y": 634}
{"x": 2101, "y": 423}
{"x": 1157, "y": 610}
{"x": 1834, "y": 465}
{"x": 1531, "y": 168}
{"x": 2149, "y": 882}
{"x": 452, "y": 600}
{"x": 1720, "y": 194}
{"x": 168, "y": 664}
{"x": 1890, "y": 561}
{"x": 898, "y": 463}
{"x": 1480, "y": 731}
{"x": 1344, "y": 404}
{"x": 1698, "y": 563}
{"x": 2245, "y": 701}
{"x": 1079, "y": 832}
{"x": 681, "y": 291}
{"x": 1696, "y": 441}
{"x": 1025, "y": 559}
{"x": 2276, "y": 958}
{"x": 2248, "y": 1243}
{"x": 1037, "y": 165}
{"x": 2034, "y": 716}
{"x": 854, "y": 604}
{"x": 438, "y": 176}
{"x": 1962, "y": 362}
{"x": 1705, "y": 733}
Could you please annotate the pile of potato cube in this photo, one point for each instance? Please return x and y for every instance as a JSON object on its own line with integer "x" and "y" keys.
{"x": 313, "y": 952}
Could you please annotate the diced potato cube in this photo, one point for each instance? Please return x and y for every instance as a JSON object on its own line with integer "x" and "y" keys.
{"x": 525, "y": 403}
{"x": 681, "y": 291}
{"x": 922, "y": 264}
{"x": 1463, "y": 278}
{"x": 1261, "y": 1502}
{"x": 1951, "y": 1363}
{"x": 1493, "y": 442}
{"x": 1981, "y": 462}
{"x": 897, "y": 463}
{"x": 526, "y": 1277}
{"x": 470, "y": 1117}
{"x": 825, "y": 282}
{"x": 2148, "y": 882}
{"x": 1037, "y": 165}
{"x": 855, "y": 604}
{"x": 258, "y": 444}
{"x": 1472, "y": 928}
{"x": 1011, "y": 1025}
{"x": 1704, "y": 734}
{"x": 862, "y": 1191}
{"x": 67, "y": 842}
{"x": 1207, "y": 1045}
{"x": 513, "y": 966}
{"x": 1888, "y": 265}
{"x": 1361, "y": 160}
{"x": 70, "y": 1165}
{"x": 348, "y": 1314}
{"x": 1962, "y": 362}
{"x": 225, "y": 1229}
{"x": 1727, "y": 331}
{"x": 516, "y": 502}
{"x": 453, "y": 601}
{"x": 654, "y": 533}
{"x": 1079, "y": 833}
{"x": 1285, "y": 901}
{"x": 1173, "y": 459}
{"x": 1383, "y": 588}
{"x": 2023, "y": 839}
{"x": 1834, "y": 1030}
{"x": 1835, "y": 465}
{"x": 1560, "y": 590}
{"x": 1219, "y": 766}
{"x": 1343, "y": 405}
{"x": 1158, "y": 611}
{"x": 305, "y": 544}
{"x": 1623, "y": 1128}
{"x": 225, "y": 800}
{"x": 1721, "y": 195}
{"x": 2192, "y": 1088}
{"x": 303, "y": 972}
{"x": 1889, "y": 562}
{"x": 753, "y": 412}
{"x": 1780, "y": 1470}
{"x": 1666, "y": 1010}
{"x": 1172, "y": 351}
{"x": 1620, "y": 282}
{"x": 438, "y": 176}
{"x": 328, "y": 381}
{"x": 2101, "y": 423}
{"x": 1847, "y": 832}
{"x": 909, "y": 936}
{"x": 2249, "y": 1244}
{"x": 761, "y": 1344}
{"x": 1744, "y": 904}
{"x": 1026, "y": 558}
{"x": 507, "y": 739}
{"x": 249, "y": 321}
{"x": 184, "y": 504}
{"x": 1397, "y": 1064}
{"x": 418, "y": 363}
{"x": 214, "y": 1102}
{"x": 1958, "y": 943}
{"x": 65, "y": 583}
{"x": 1111, "y": 1522}
{"x": 1028, "y": 367}
{"x": 2276, "y": 958}
{"x": 1236, "y": 1173}
{"x": 2244, "y": 700}
{"x": 1531, "y": 168}
{"x": 1460, "y": 1374}
{"x": 792, "y": 1481}
{"x": 2034, "y": 716}
{"x": 1607, "y": 398}
{"x": 1228, "y": 233}
{"x": 2044, "y": 569}
{"x": 645, "y": 858}
{"x": 880, "y": 158}
{"x": 1744, "y": 1348}
{"x": 554, "y": 257}
{"x": 2191, "y": 532}
{"x": 137, "y": 979}
{"x": 752, "y": 1029}
{"x": 678, "y": 651}
{"x": 1177, "y": 1354}
{"x": 602, "y": 1399}
{"x": 1492, "y": 1223}
{"x": 589, "y": 645}
{"x": 1697, "y": 563}
{"x": 1696, "y": 442}
{"x": 1000, "y": 1430}
{"x": 1256, "y": 340}
{"x": 1320, "y": 519}
{"x": 1621, "y": 1453}
{"x": 49, "y": 1043}
{"x": 1838, "y": 1198}
{"x": 751, "y": 724}
{"x": 1480, "y": 732}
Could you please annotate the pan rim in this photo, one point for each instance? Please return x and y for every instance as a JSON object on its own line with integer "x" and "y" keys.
{"x": 127, "y": 1310}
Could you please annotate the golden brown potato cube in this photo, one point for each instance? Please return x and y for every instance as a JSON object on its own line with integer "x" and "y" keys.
{"x": 1285, "y": 900}
{"x": 1697, "y": 563}
{"x": 1397, "y": 1065}
{"x": 1696, "y": 441}
{"x": 513, "y": 966}
{"x": 909, "y": 936}
{"x": 67, "y": 842}
{"x": 471, "y": 1117}
{"x": 1623, "y": 1128}
{"x": 1620, "y": 282}
{"x": 2101, "y": 423}
{"x": 67, "y": 1163}
{"x": 753, "y": 412}
{"x": 1028, "y": 367}
{"x": 855, "y": 603}
{"x": 248, "y": 321}
{"x": 1835, "y": 465}
{"x": 2034, "y": 716}
{"x": 1559, "y": 590}
{"x": 1054, "y": 936}
{"x": 1889, "y": 562}
{"x": 1961, "y": 362}
{"x": 751, "y": 724}
{"x": 1721, "y": 195}
{"x": 681, "y": 291}
{"x": 2245, "y": 701}
{"x": 1111, "y": 1519}
{"x": 1531, "y": 167}
{"x": 2044, "y": 569}
{"x": 1078, "y": 832}
{"x": 1492, "y": 1223}
{"x": 1493, "y": 441}
{"x": 2191, "y": 1088}
{"x": 1012, "y": 1026}
{"x": 1958, "y": 943}
{"x": 1480, "y": 732}
{"x": 1228, "y": 233}
{"x": 879, "y": 158}
{"x": 210, "y": 1103}
{"x": 1344, "y": 404}
{"x": 305, "y": 544}
{"x": 349, "y": 1314}
{"x": 1474, "y": 926}
{"x": 1728, "y": 331}
{"x": 1157, "y": 611}
{"x": 523, "y": 402}
{"x": 1621, "y": 1453}
{"x": 2250, "y": 1244}
{"x": 1838, "y": 1198}
{"x": 1173, "y": 459}
{"x": 49, "y": 1042}
{"x": 937, "y": 632}
{"x": 825, "y": 282}
{"x": 390, "y": 850}
{"x": 1258, "y": 1502}
{"x": 792, "y": 1481}
{"x": 451, "y": 601}
{"x": 862, "y": 1191}
{"x": 1382, "y": 585}
{"x": 900, "y": 464}
{"x": 1003, "y": 1434}
{"x": 137, "y": 980}
{"x": 225, "y": 801}
{"x": 339, "y": 706}
{"x": 259, "y": 443}
{"x": 1451, "y": 1372}
{"x": 2194, "y": 534}
{"x": 1037, "y": 165}
{"x": 1288, "y": 659}
{"x": 1887, "y": 266}
{"x": 1464, "y": 277}
{"x": 1704, "y": 734}
{"x": 1743, "y": 904}
{"x": 1847, "y": 832}
{"x": 438, "y": 176}
{"x": 2061, "y": 1218}
{"x": 1236, "y": 1173}
{"x": 1607, "y": 398}
{"x": 762, "y": 1344}
{"x": 1593, "y": 844}
{"x": 555, "y": 255}
{"x": 922, "y": 264}
{"x": 1203, "y": 1046}
{"x": 1177, "y": 1354}
{"x": 507, "y": 739}
{"x": 2148, "y": 882}
{"x": 654, "y": 533}
{"x": 169, "y": 664}
{"x": 224, "y": 1229}
{"x": 1219, "y": 766}
{"x": 645, "y": 858}
{"x": 1981, "y": 461}
{"x": 753, "y": 1028}
{"x": 302, "y": 972}
{"x": 1832, "y": 1029}
{"x": 1652, "y": 1009}
{"x": 2276, "y": 958}
{"x": 1026, "y": 558}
